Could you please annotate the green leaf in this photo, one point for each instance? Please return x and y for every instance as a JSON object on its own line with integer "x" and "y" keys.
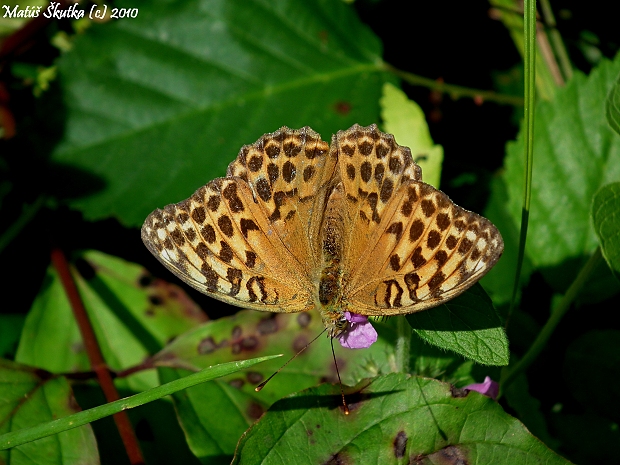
{"x": 66, "y": 423}
{"x": 612, "y": 107}
{"x": 147, "y": 125}
{"x": 29, "y": 396}
{"x": 575, "y": 154}
{"x": 251, "y": 333}
{"x": 132, "y": 314}
{"x": 467, "y": 325}
{"x": 394, "y": 419}
{"x": 405, "y": 120}
{"x": 606, "y": 219}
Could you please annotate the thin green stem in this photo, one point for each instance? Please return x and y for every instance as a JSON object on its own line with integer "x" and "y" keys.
{"x": 528, "y": 124}
{"x": 16, "y": 438}
{"x": 403, "y": 344}
{"x": 453, "y": 90}
{"x": 556, "y": 316}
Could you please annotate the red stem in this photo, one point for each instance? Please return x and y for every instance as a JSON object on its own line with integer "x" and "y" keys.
{"x": 95, "y": 356}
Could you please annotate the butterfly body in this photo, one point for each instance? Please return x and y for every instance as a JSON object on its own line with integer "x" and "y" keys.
{"x": 300, "y": 225}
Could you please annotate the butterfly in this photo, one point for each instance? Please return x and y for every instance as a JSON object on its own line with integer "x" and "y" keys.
{"x": 348, "y": 229}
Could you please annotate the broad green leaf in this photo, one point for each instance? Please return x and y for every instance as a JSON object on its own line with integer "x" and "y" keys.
{"x": 394, "y": 419}
{"x": 251, "y": 333}
{"x": 592, "y": 360}
{"x": 606, "y": 219}
{"x": 612, "y": 106}
{"x": 575, "y": 153}
{"x": 69, "y": 422}
{"x": 405, "y": 120}
{"x": 148, "y": 124}
{"x": 132, "y": 314}
{"x": 467, "y": 325}
{"x": 30, "y": 396}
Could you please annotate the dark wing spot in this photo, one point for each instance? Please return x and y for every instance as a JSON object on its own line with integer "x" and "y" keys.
{"x": 365, "y": 148}
{"x": 202, "y": 250}
{"x": 366, "y": 171}
{"x": 428, "y": 207}
{"x": 182, "y": 217}
{"x": 210, "y": 276}
{"x": 451, "y": 242}
{"x": 395, "y": 262}
{"x": 417, "y": 259}
{"x": 433, "y": 239}
{"x": 190, "y": 234}
{"x": 347, "y": 149}
{"x": 351, "y": 171}
{"x": 250, "y": 259}
{"x": 225, "y": 225}
{"x": 416, "y": 230}
{"x": 178, "y": 237}
{"x": 255, "y": 163}
{"x": 272, "y": 151}
{"x": 395, "y": 165}
{"x": 396, "y": 229}
{"x": 460, "y": 225}
{"x": 465, "y": 246}
{"x": 292, "y": 148}
{"x": 309, "y": 172}
{"x": 382, "y": 150}
{"x": 226, "y": 253}
{"x": 436, "y": 280}
{"x": 441, "y": 257}
{"x": 379, "y": 171}
{"x": 273, "y": 172}
{"x": 412, "y": 280}
{"x": 475, "y": 255}
{"x": 208, "y": 233}
{"x": 386, "y": 190}
{"x": 288, "y": 172}
{"x": 247, "y": 225}
{"x": 443, "y": 221}
{"x": 214, "y": 202}
{"x": 263, "y": 189}
{"x": 234, "y": 202}
{"x": 234, "y": 276}
{"x": 199, "y": 215}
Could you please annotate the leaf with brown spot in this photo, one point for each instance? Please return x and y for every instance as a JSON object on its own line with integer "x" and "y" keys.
{"x": 439, "y": 428}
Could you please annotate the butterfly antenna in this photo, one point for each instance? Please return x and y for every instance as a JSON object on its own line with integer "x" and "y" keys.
{"x": 262, "y": 385}
{"x": 344, "y": 402}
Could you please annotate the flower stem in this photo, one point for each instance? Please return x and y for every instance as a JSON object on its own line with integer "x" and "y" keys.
{"x": 403, "y": 344}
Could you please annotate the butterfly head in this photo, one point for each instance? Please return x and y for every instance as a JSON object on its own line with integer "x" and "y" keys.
{"x": 353, "y": 331}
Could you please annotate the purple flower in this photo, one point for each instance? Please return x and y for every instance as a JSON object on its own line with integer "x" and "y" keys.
{"x": 360, "y": 334}
{"x": 489, "y": 388}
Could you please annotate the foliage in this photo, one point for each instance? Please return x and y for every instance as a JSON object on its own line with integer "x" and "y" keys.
{"x": 136, "y": 113}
